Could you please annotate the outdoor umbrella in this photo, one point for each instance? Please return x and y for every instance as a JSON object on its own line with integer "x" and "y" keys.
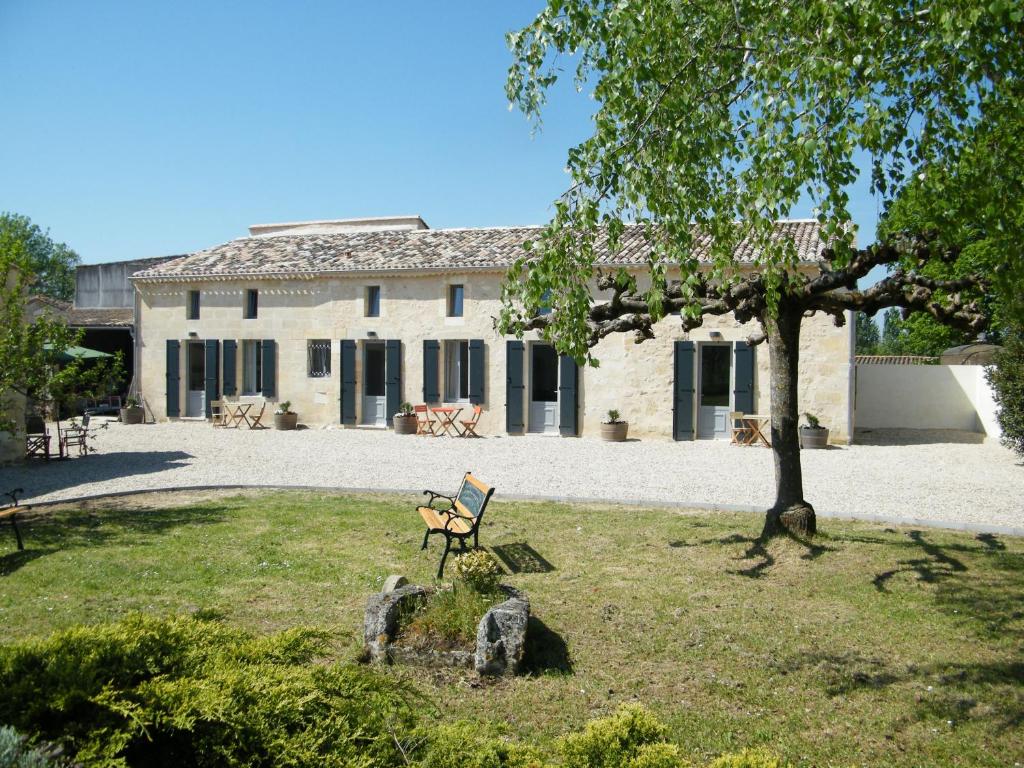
{"x": 78, "y": 353}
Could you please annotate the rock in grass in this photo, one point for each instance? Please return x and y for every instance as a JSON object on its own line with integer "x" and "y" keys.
{"x": 383, "y": 610}
{"x": 501, "y": 638}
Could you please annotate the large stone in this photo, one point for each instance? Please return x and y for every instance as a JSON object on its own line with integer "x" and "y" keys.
{"x": 383, "y": 610}
{"x": 393, "y": 582}
{"x": 501, "y": 637}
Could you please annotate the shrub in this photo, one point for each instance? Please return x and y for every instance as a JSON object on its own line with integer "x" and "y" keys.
{"x": 613, "y": 742}
{"x": 748, "y": 758}
{"x": 16, "y": 752}
{"x": 478, "y": 570}
{"x": 188, "y": 691}
{"x": 464, "y": 745}
{"x": 1007, "y": 380}
{"x": 660, "y": 754}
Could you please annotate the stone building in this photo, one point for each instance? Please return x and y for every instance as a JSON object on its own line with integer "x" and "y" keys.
{"x": 347, "y": 319}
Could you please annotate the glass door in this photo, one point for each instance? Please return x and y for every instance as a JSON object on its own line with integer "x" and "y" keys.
{"x": 543, "y": 388}
{"x": 374, "y": 384}
{"x": 713, "y": 397}
{"x": 195, "y": 403}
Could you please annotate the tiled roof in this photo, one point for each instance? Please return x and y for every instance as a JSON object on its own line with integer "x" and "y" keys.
{"x": 894, "y": 360}
{"x": 416, "y": 251}
{"x": 93, "y": 318}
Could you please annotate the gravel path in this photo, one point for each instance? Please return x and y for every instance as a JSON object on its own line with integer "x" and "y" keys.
{"x": 939, "y": 476}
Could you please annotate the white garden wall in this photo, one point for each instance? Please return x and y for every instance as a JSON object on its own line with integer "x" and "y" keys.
{"x": 924, "y": 397}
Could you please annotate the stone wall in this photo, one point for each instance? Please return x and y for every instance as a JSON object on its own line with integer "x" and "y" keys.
{"x": 635, "y": 379}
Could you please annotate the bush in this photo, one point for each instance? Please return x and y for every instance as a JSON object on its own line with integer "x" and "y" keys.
{"x": 192, "y": 692}
{"x": 1007, "y": 380}
{"x": 16, "y": 752}
{"x": 463, "y": 745}
{"x": 613, "y": 742}
{"x": 748, "y": 758}
{"x": 478, "y": 570}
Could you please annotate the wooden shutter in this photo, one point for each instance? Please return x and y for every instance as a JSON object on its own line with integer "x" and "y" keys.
{"x": 568, "y": 395}
{"x": 682, "y": 400}
{"x": 348, "y": 381}
{"x": 392, "y": 378}
{"x": 230, "y": 352}
{"x": 743, "y": 393}
{"x": 514, "y": 387}
{"x": 431, "y": 357}
{"x": 212, "y": 373}
{"x": 173, "y": 377}
{"x": 269, "y": 367}
{"x": 476, "y": 371}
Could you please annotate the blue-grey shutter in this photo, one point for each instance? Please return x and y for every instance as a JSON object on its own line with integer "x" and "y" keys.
{"x": 682, "y": 400}
{"x": 173, "y": 377}
{"x": 348, "y": 381}
{"x": 514, "y": 387}
{"x": 568, "y": 395}
{"x": 392, "y": 378}
{"x": 431, "y": 357}
{"x": 476, "y": 371}
{"x": 743, "y": 394}
{"x": 230, "y": 352}
{"x": 212, "y": 372}
{"x": 269, "y": 364}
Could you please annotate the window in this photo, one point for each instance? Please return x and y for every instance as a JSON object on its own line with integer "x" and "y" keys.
{"x": 252, "y": 367}
{"x": 456, "y": 371}
{"x": 455, "y": 294}
{"x": 373, "y": 301}
{"x": 252, "y": 299}
{"x": 318, "y": 357}
{"x": 193, "y": 305}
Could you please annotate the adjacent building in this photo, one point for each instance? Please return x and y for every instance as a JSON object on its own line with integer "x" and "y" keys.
{"x": 347, "y": 319}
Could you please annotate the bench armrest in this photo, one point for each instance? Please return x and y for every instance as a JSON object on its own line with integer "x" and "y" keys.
{"x": 13, "y": 495}
{"x": 435, "y": 495}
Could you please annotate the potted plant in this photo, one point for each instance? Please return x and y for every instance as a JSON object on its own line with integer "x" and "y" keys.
{"x": 284, "y": 416}
{"x": 132, "y": 412}
{"x": 812, "y": 434}
{"x": 405, "y": 420}
{"x": 614, "y": 429}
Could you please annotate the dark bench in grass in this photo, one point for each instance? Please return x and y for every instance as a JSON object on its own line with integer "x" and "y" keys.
{"x": 458, "y": 517}
{"x": 10, "y": 512}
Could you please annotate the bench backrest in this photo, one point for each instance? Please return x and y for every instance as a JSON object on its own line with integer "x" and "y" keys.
{"x": 472, "y": 498}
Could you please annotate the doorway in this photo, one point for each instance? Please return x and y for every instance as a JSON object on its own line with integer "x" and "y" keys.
{"x": 374, "y": 384}
{"x": 713, "y": 393}
{"x": 543, "y": 389}
{"x": 195, "y": 398}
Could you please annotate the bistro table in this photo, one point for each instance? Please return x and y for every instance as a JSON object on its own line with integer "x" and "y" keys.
{"x": 234, "y": 414}
{"x": 755, "y": 424}
{"x": 446, "y": 419}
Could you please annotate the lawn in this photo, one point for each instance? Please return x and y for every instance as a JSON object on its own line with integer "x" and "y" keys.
{"x": 872, "y": 646}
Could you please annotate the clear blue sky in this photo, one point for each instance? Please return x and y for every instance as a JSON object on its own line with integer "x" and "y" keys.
{"x": 136, "y": 129}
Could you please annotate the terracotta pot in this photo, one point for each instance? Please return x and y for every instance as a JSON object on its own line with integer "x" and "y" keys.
{"x": 285, "y": 420}
{"x": 133, "y": 414}
{"x": 405, "y": 425}
{"x": 813, "y": 437}
{"x": 614, "y": 433}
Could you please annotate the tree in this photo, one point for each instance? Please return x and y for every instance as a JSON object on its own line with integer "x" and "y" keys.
{"x": 1007, "y": 380}
{"x": 715, "y": 120}
{"x": 51, "y": 264}
{"x": 30, "y": 351}
{"x": 868, "y": 337}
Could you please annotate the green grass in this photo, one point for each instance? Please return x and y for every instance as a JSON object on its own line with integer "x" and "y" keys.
{"x": 448, "y": 619}
{"x": 872, "y": 646}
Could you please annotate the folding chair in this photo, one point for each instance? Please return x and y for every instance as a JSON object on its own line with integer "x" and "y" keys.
{"x": 469, "y": 426}
{"x": 741, "y": 434}
{"x": 255, "y": 421}
{"x": 424, "y": 424}
{"x": 217, "y": 413}
{"x": 37, "y": 438}
{"x": 77, "y": 435}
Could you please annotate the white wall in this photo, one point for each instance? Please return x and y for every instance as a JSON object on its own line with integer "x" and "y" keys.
{"x": 925, "y": 397}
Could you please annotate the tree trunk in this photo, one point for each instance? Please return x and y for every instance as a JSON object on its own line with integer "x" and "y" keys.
{"x": 790, "y": 514}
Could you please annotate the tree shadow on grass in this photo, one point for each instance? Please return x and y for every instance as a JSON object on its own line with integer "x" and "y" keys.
{"x": 546, "y": 651}
{"x": 48, "y": 532}
{"x": 932, "y": 566}
{"x": 757, "y": 552}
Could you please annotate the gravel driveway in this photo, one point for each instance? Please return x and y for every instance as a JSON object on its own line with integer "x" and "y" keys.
{"x": 938, "y": 476}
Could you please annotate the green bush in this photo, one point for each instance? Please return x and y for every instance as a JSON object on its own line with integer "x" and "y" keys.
{"x": 193, "y": 692}
{"x": 1007, "y": 380}
{"x": 748, "y": 758}
{"x": 659, "y": 754}
{"x": 463, "y": 745}
{"x": 478, "y": 570}
{"x": 613, "y": 742}
{"x": 16, "y": 752}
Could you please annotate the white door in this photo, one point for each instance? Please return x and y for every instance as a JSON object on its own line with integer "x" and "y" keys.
{"x": 195, "y": 399}
{"x": 713, "y": 393}
{"x": 374, "y": 400}
{"x": 543, "y": 389}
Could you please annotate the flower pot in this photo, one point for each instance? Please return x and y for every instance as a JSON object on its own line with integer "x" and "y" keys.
{"x": 405, "y": 425}
{"x": 614, "y": 432}
{"x": 285, "y": 420}
{"x": 133, "y": 414}
{"x": 813, "y": 437}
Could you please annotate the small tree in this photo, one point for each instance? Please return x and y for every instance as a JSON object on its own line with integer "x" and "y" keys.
{"x": 51, "y": 264}
{"x": 868, "y": 337}
{"x": 1007, "y": 380}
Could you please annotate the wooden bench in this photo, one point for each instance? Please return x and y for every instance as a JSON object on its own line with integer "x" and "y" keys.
{"x": 460, "y": 519}
{"x": 10, "y": 512}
